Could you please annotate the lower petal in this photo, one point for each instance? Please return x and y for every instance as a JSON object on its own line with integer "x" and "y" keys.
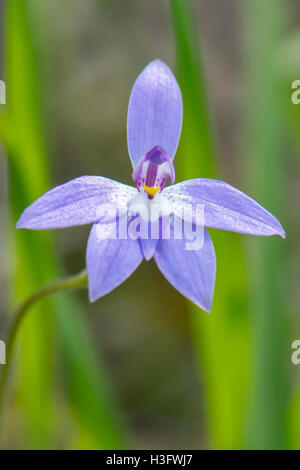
{"x": 148, "y": 246}
{"x": 191, "y": 272}
{"x": 110, "y": 260}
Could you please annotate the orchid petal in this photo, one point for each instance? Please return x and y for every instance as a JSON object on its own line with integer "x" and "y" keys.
{"x": 148, "y": 246}
{"x": 225, "y": 207}
{"x": 192, "y": 273}
{"x": 81, "y": 201}
{"x": 110, "y": 261}
{"x": 154, "y": 112}
{"x": 148, "y": 232}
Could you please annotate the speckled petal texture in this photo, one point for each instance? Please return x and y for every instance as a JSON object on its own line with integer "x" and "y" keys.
{"x": 154, "y": 112}
{"x": 225, "y": 207}
{"x": 81, "y": 201}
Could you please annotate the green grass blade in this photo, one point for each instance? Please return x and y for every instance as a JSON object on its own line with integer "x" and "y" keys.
{"x": 4, "y": 128}
{"x": 93, "y": 403}
{"x": 264, "y": 163}
{"x": 222, "y": 338}
{"x": 28, "y": 179}
{"x": 196, "y": 115}
{"x": 29, "y": 172}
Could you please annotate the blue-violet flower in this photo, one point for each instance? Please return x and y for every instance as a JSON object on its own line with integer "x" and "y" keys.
{"x": 153, "y": 129}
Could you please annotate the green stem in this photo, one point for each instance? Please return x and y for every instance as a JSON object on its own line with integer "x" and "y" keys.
{"x": 71, "y": 282}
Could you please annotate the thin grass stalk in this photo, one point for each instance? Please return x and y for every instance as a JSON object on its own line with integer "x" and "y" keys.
{"x": 221, "y": 338}
{"x": 263, "y": 24}
{"x": 98, "y": 417}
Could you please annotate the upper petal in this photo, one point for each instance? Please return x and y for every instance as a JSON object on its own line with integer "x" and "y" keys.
{"x": 110, "y": 261}
{"x": 192, "y": 273}
{"x": 154, "y": 112}
{"x": 225, "y": 207}
{"x": 81, "y": 201}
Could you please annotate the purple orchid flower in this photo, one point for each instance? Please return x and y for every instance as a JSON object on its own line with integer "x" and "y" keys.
{"x": 153, "y": 129}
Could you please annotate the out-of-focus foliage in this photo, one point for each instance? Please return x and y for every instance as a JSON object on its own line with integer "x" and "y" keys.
{"x": 36, "y": 262}
{"x": 222, "y": 334}
{"x": 266, "y": 167}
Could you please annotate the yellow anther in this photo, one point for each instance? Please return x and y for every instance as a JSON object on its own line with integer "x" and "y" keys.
{"x": 151, "y": 191}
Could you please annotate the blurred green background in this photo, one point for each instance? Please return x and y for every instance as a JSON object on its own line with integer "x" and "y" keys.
{"x": 142, "y": 367}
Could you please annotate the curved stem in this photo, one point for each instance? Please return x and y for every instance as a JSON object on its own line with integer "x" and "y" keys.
{"x": 71, "y": 282}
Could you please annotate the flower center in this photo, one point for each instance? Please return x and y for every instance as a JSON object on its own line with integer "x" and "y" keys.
{"x": 153, "y": 171}
{"x": 151, "y": 191}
